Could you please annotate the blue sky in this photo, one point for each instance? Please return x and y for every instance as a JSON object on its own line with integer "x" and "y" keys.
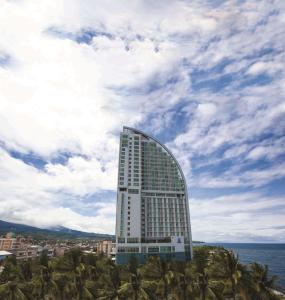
{"x": 204, "y": 77}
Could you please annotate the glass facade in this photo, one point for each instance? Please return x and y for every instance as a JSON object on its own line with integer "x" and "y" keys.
{"x": 159, "y": 170}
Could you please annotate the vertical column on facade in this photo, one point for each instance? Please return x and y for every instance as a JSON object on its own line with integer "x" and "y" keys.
{"x": 122, "y": 215}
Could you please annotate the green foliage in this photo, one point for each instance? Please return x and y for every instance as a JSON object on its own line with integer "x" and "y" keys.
{"x": 215, "y": 273}
{"x": 44, "y": 258}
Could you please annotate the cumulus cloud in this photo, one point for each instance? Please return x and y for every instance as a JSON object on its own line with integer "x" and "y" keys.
{"x": 206, "y": 78}
{"x": 244, "y": 216}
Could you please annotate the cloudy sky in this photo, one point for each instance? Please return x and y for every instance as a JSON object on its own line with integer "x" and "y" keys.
{"x": 204, "y": 77}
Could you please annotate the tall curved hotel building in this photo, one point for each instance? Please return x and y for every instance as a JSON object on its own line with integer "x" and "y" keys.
{"x": 152, "y": 205}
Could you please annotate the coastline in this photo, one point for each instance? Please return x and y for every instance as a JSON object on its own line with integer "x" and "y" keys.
{"x": 271, "y": 254}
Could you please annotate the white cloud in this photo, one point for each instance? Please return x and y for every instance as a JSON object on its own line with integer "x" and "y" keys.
{"x": 236, "y": 177}
{"x": 244, "y": 216}
{"x": 257, "y": 68}
{"x": 46, "y": 199}
{"x": 207, "y": 109}
{"x": 58, "y": 96}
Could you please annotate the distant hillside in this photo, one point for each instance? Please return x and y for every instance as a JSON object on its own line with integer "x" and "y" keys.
{"x": 54, "y": 233}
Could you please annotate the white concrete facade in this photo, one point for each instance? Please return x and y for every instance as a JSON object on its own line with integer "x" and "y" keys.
{"x": 152, "y": 202}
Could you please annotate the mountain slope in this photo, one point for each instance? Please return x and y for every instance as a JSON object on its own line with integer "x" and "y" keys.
{"x": 57, "y": 233}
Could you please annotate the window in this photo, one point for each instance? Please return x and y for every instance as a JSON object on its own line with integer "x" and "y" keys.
{"x": 133, "y": 191}
{"x": 165, "y": 249}
{"x": 153, "y": 249}
{"x": 132, "y": 240}
{"x": 132, "y": 249}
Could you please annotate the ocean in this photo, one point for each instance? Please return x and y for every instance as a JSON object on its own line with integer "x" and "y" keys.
{"x": 272, "y": 255}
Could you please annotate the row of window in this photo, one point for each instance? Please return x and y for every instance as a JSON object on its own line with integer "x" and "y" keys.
{"x": 166, "y": 224}
{"x": 164, "y": 209}
{"x": 161, "y": 195}
{"x": 167, "y": 216}
{"x": 165, "y": 188}
{"x": 129, "y": 218}
{"x": 151, "y": 249}
{"x": 128, "y": 249}
{"x": 130, "y": 240}
{"x": 122, "y": 214}
{"x": 162, "y": 204}
{"x": 122, "y": 240}
{"x": 160, "y": 234}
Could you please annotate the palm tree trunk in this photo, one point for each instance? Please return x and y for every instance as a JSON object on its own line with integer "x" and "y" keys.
{"x": 61, "y": 295}
{"x": 203, "y": 295}
{"x": 234, "y": 290}
{"x": 184, "y": 293}
{"x": 42, "y": 290}
{"x": 81, "y": 294}
{"x": 165, "y": 289}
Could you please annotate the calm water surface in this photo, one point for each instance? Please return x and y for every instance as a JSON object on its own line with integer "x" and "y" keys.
{"x": 272, "y": 255}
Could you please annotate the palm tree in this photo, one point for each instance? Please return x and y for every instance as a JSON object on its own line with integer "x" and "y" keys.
{"x": 74, "y": 256}
{"x": 11, "y": 291}
{"x": 231, "y": 270}
{"x": 65, "y": 286}
{"x": 136, "y": 287}
{"x": 37, "y": 287}
{"x": 161, "y": 271}
{"x": 44, "y": 260}
{"x": 11, "y": 270}
{"x": 26, "y": 269}
{"x": 204, "y": 286}
{"x": 184, "y": 281}
{"x": 81, "y": 274}
{"x": 112, "y": 285}
{"x": 49, "y": 287}
{"x": 201, "y": 259}
{"x": 263, "y": 284}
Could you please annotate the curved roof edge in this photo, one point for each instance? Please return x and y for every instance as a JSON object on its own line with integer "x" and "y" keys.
{"x": 166, "y": 149}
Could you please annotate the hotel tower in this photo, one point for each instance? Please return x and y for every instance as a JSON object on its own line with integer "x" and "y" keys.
{"x": 152, "y": 203}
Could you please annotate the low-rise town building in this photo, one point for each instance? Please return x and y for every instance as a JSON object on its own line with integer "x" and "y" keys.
{"x": 25, "y": 248}
{"x": 107, "y": 247}
{"x": 4, "y": 254}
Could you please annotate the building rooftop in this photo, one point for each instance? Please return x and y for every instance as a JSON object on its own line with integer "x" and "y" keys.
{"x": 2, "y": 253}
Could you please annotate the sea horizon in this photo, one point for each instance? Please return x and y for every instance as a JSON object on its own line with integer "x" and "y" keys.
{"x": 221, "y": 242}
